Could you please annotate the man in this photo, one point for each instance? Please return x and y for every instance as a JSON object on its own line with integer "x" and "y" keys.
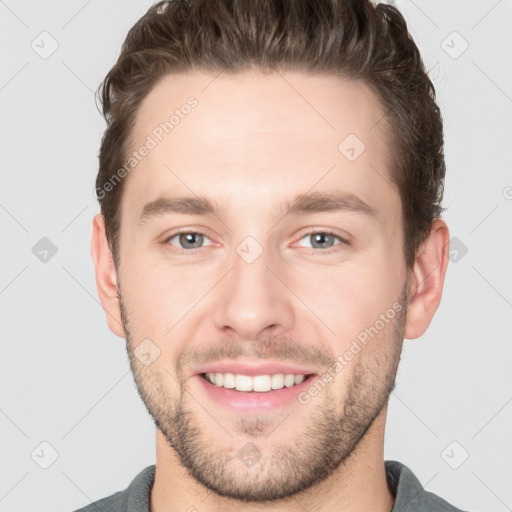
{"x": 296, "y": 145}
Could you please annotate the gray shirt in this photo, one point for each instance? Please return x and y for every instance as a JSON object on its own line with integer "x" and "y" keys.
{"x": 409, "y": 493}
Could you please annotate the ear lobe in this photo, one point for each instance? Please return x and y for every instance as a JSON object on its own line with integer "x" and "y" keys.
{"x": 106, "y": 276}
{"x": 426, "y": 280}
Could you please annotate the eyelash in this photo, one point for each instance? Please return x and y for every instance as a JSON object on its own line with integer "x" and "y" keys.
{"x": 313, "y": 249}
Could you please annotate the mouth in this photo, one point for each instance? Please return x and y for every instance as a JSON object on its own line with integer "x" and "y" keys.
{"x": 256, "y": 383}
{"x": 264, "y": 393}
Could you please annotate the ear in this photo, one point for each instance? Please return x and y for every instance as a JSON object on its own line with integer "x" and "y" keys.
{"x": 426, "y": 280}
{"x": 106, "y": 276}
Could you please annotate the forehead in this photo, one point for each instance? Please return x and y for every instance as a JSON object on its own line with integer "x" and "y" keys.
{"x": 255, "y": 137}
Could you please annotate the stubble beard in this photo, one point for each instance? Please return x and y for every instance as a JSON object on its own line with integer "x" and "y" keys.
{"x": 320, "y": 445}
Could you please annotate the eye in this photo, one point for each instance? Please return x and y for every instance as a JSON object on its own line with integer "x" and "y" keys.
{"x": 323, "y": 240}
{"x": 188, "y": 240}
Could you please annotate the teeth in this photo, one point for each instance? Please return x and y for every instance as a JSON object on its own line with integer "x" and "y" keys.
{"x": 259, "y": 383}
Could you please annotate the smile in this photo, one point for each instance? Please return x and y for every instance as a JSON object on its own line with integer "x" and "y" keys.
{"x": 258, "y": 383}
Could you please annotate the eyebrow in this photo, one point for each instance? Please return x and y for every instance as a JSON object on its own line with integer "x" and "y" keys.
{"x": 311, "y": 202}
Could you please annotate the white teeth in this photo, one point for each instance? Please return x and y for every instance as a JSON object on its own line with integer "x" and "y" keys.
{"x": 299, "y": 379}
{"x": 259, "y": 383}
{"x": 289, "y": 380}
{"x": 229, "y": 380}
{"x": 278, "y": 381}
{"x": 242, "y": 383}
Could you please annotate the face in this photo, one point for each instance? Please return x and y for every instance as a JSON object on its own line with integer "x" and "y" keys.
{"x": 261, "y": 238}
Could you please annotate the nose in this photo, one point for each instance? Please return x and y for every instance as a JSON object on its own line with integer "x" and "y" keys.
{"x": 253, "y": 299}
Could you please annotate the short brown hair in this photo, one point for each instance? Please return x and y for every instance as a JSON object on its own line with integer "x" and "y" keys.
{"x": 351, "y": 38}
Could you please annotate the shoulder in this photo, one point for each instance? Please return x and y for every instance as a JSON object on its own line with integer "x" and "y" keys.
{"x": 134, "y": 498}
{"x": 114, "y": 503}
{"x": 410, "y": 494}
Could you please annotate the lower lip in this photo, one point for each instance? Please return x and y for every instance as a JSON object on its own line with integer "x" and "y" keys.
{"x": 246, "y": 401}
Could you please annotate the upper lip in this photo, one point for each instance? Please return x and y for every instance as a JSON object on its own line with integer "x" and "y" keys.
{"x": 254, "y": 368}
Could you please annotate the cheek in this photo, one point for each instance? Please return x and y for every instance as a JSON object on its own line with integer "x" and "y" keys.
{"x": 160, "y": 297}
{"x": 350, "y": 297}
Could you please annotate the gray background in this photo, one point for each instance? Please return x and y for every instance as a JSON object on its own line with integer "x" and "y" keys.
{"x": 64, "y": 378}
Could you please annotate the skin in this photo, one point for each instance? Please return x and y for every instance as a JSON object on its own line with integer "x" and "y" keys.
{"x": 252, "y": 142}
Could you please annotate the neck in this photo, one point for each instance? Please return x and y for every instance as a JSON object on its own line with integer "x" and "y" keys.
{"x": 359, "y": 484}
